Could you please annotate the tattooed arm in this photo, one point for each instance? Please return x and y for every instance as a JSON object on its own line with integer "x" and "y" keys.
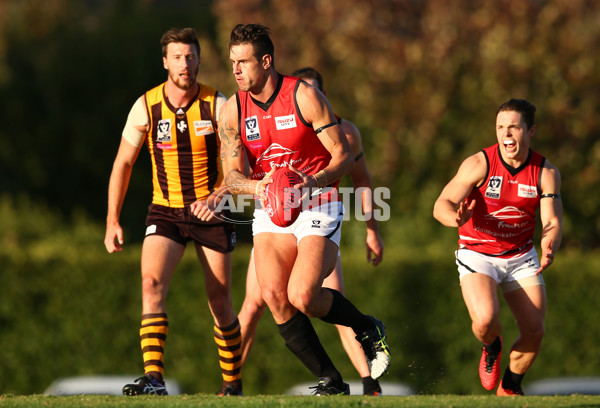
{"x": 233, "y": 156}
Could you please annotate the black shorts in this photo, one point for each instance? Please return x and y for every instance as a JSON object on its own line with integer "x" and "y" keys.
{"x": 180, "y": 225}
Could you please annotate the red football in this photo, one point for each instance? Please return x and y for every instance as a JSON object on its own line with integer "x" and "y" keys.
{"x": 283, "y": 203}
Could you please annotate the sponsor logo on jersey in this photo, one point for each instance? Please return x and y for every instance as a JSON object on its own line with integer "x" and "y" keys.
{"x": 163, "y": 131}
{"x": 493, "y": 188}
{"x": 203, "y": 127}
{"x": 507, "y": 213}
{"x": 285, "y": 122}
{"x": 527, "y": 191}
{"x": 252, "y": 130}
{"x": 274, "y": 151}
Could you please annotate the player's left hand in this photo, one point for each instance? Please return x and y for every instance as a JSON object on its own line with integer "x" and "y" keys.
{"x": 374, "y": 248}
{"x": 202, "y": 210}
{"x": 547, "y": 257}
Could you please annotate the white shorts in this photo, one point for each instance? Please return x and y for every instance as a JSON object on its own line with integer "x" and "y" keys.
{"x": 324, "y": 220}
{"x": 509, "y": 273}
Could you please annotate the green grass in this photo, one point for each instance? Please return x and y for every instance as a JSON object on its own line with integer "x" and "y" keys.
{"x": 300, "y": 401}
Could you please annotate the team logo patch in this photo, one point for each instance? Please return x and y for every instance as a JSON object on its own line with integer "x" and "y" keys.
{"x": 163, "y": 131}
{"x": 182, "y": 126}
{"x": 252, "y": 130}
{"x": 527, "y": 191}
{"x": 203, "y": 127}
{"x": 285, "y": 122}
{"x": 493, "y": 188}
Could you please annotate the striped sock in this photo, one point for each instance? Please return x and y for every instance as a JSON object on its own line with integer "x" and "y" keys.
{"x": 229, "y": 341}
{"x": 153, "y": 334}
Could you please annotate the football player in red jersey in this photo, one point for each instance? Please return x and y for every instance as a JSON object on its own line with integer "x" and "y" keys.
{"x": 492, "y": 200}
{"x": 254, "y": 306}
{"x": 294, "y": 124}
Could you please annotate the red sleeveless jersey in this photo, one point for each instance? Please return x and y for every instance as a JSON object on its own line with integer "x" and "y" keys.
{"x": 504, "y": 215}
{"x": 276, "y": 135}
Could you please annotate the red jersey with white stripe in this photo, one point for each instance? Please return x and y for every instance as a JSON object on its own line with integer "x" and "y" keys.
{"x": 506, "y": 202}
{"x": 276, "y": 135}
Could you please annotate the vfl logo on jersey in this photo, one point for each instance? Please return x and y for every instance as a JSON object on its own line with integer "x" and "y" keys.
{"x": 493, "y": 188}
{"x": 316, "y": 224}
{"x": 203, "y": 127}
{"x": 252, "y": 130}
{"x": 285, "y": 122}
{"x": 163, "y": 131}
{"x": 527, "y": 191}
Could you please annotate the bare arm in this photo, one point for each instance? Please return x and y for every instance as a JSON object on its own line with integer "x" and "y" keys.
{"x": 450, "y": 208}
{"x": 117, "y": 188}
{"x": 550, "y": 214}
{"x": 316, "y": 110}
{"x": 361, "y": 179}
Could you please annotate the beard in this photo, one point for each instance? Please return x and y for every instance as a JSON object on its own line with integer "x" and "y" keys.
{"x": 184, "y": 83}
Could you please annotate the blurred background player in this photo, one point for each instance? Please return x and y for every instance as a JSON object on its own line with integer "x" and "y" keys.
{"x": 492, "y": 200}
{"x": 254, "y": 306}
{"x": 177, "y": 120}
{"x": 275, "y": 121}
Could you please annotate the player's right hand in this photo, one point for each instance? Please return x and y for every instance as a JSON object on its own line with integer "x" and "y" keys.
{"x": 261, "y": 186}
{"x": 464, "y": 212}
{"x": 113, "y": 240}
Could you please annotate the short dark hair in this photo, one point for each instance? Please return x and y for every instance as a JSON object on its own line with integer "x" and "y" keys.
{"x": 525, "y": 108}
{"x": 255, "y": 34}
{"x": 179, "y": 35}
{"x": 309, "y": 73}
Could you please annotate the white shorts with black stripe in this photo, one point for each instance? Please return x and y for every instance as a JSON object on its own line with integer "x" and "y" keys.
{"x": 324, "y": 221}
{"x": 509, "y": 273}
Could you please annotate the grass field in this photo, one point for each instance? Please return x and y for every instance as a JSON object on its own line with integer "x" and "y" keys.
{"x": 300, "y": 401}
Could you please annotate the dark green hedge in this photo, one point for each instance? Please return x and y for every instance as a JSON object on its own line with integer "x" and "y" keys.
{"x": 68, "y": 308}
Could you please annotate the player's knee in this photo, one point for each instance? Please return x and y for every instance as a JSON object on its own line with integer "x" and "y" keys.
{"x": 274, "y": 298}
{"x": 534, "y": 334}
{"x": 151, "y": 286}
{"x": 303, "y": 300}
{"x": 483, "y": 327}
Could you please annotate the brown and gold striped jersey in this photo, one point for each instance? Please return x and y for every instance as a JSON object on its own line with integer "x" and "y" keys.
{"x": 184, "y": 147}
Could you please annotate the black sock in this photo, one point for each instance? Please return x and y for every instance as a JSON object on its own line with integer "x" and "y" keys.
{"x": 495, "y": 348}
{"x": 300, "y": 337}
{"x": 511, "y": 380}
{"x": 344, "y": 313}
{"x": 370, "y": 386}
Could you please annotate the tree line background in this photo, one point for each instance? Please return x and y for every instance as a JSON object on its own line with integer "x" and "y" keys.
{"x": 421, "y": 80}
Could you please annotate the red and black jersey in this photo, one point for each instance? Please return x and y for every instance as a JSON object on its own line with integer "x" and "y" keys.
{"x": 503, "y": 219}
{"x": 276, "y": 135}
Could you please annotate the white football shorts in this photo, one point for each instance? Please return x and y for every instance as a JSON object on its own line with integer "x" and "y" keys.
{"x": 324, "y": 220}
{"x": 510, "y": 273}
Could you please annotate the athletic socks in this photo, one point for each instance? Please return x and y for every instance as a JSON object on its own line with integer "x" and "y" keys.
{"x": 300, "y": 337}
{"x": 153, "y": 334}
{"x": 495, "y": 348}
{"x": 229, "y": 341}
{"x": 344, "y": 313}
{"x": 511, "y": 380}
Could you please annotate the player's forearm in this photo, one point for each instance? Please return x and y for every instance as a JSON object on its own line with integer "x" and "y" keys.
{"x": 117, "y": 189}
{"x": 552, "y": 232}
{"x": 445, "y": 212}
{"x": 238, "y": 183}
{"x": 340, "y": 165}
